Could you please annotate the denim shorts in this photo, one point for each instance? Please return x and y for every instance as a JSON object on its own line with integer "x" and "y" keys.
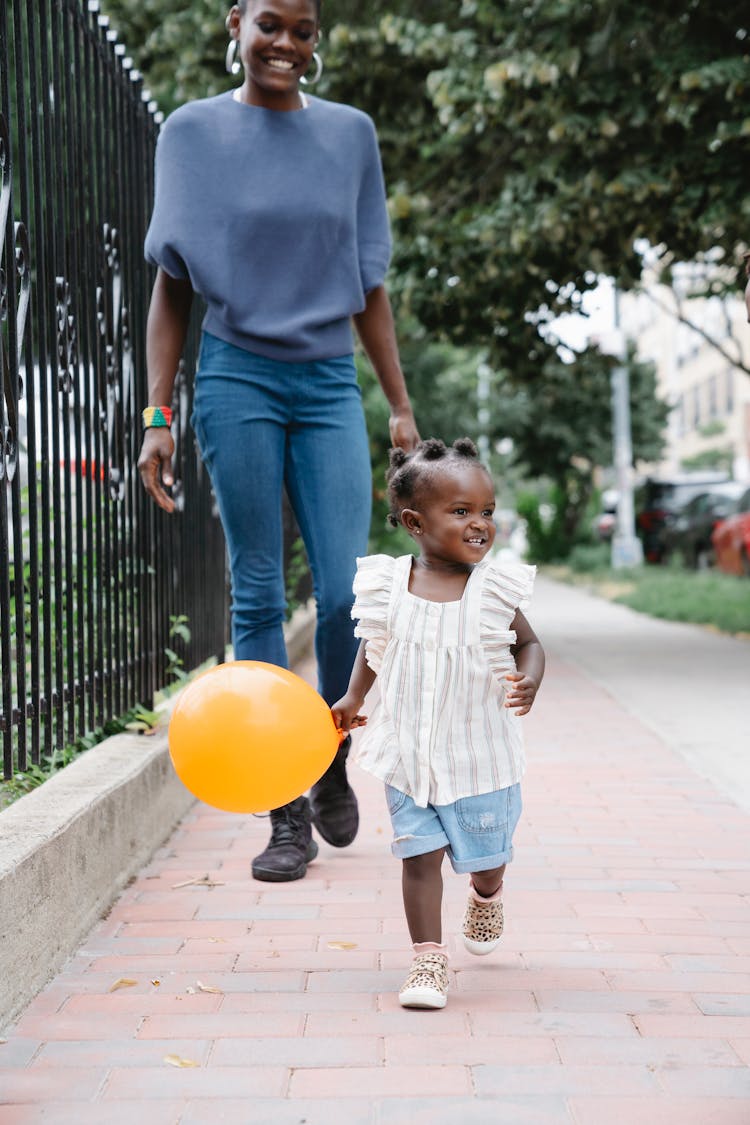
{"x": 477, "y": 832}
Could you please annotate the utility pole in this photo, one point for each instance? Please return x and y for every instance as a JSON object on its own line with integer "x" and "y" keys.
{"x": 483, "y": 413}
{"x": 627, "y": 549}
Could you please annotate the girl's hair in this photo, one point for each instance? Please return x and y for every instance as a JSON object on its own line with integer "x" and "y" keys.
{"x": 242, "y": 5}
{"x": 409, "y": 475}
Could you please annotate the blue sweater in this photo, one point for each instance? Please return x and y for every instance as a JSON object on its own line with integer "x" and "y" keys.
{"x": 278, "y": 220}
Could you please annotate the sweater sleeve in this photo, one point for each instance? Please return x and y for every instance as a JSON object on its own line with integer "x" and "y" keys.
{"x": 372, "y": 594}
{"x": 373, "y": 228}
{"x": 171, "y": 173}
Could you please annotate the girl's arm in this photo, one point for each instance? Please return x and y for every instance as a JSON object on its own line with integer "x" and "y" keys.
{"x": 523, "y": 684}
{"x": 377, "y": 332}
{"x": 168, "y": 316}
{"x": 346, "y": 712}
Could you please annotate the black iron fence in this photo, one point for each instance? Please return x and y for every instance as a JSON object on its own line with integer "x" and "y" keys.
{"x": 92, "y": 575}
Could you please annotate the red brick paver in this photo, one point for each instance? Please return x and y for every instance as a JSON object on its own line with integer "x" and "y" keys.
{"x": 621, "y": 994}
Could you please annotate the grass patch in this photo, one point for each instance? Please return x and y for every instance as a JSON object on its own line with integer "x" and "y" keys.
{"x": 672, "y": 593}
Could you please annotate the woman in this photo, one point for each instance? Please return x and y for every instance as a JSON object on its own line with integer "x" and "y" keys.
{"x": 270, "y": 204}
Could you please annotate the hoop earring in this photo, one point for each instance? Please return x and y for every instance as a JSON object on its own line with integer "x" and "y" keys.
{"x": 318, "y": 71}
{"x": 231, "y": 63}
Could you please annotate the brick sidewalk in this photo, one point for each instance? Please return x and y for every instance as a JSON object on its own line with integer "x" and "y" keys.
{"x": 621, "y": 993}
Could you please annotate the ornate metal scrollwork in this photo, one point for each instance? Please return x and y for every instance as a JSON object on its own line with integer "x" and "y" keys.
{"x": 67, "y": 337}
{"x": 15, "y": 318}
{"x": 116, "y": 389}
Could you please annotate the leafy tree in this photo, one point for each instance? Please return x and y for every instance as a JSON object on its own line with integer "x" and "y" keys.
{"x": 557, "y": 135}
{"x": 528, "y": 146}
{"x": 562, "y": 428}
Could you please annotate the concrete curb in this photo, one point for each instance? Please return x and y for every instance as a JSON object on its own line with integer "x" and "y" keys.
{"x": 68, "y": 848}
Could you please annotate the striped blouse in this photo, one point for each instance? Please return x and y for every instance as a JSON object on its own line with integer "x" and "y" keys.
{"x": 439, "y": 730}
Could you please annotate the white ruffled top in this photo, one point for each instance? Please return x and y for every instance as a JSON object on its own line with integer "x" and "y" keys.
{"x": 439, "y": 730}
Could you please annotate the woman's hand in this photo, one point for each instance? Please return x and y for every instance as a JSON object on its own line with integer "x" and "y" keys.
{"x": 155, "y": 465}
{"x": 403, "y": 430}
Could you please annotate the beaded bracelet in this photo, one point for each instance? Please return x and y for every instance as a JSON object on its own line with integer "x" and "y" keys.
{"x": 154, "y": 416}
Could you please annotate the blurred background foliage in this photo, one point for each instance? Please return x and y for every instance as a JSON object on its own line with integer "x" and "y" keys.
{"x": 528, "y": 146}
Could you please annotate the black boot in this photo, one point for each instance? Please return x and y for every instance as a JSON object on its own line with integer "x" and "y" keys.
{"x": 291, "y": 846}
{"x": 333, "y": 804}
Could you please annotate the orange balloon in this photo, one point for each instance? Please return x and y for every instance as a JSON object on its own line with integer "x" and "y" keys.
{"x": 248, "y": 736}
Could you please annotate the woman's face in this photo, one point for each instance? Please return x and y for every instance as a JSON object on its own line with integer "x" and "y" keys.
{"x": 277, "y": 39}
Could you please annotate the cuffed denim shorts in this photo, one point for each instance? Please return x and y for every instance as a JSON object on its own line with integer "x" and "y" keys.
{"x": 477, "y": 832}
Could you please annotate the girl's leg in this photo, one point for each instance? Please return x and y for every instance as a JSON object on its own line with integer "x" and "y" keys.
{"x": 422, "y": 886}
{"x": 427, "y": 983}
{"x": 488, "y": 883}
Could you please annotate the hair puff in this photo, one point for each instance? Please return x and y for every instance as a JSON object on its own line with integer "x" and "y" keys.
{"x": 397, "y": 457}
{"x": 432, "y": 449}
{"x": 465, "y": 448}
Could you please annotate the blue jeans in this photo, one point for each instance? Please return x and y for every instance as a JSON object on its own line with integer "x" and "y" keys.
{"x": 261, "y": 425}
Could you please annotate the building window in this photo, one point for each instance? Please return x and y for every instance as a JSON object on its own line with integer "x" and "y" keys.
{"x": 713, "y": 397}
{"x": 679, "y": 416}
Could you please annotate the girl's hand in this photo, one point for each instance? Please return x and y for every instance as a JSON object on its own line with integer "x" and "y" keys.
{"x": 155, "y": 465}
{"x": 520, "y": 692}
{"x": 346, "y": 713}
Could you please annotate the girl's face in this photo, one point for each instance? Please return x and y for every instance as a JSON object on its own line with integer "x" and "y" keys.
{"x": 277, "y": 39}
{"x": 454, "y": 521}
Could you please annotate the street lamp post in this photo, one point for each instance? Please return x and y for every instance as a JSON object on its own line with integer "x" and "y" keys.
{"x": 627, "y": 549}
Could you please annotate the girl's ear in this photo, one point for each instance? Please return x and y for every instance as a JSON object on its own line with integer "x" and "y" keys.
{"x": 411, "y": 520}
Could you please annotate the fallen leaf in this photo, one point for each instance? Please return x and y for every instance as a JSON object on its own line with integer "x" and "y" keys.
{"x": 203, "y": 881}
{"x": 3, "y": 1042}
{"x": 122, "y": 982}
{"x": 208, "y": 988}
{"x": 342, "y": 945}
{"x": 177, "y": 1060}
{"x": 216, "y": 940}
{"x": 156, "y": 983}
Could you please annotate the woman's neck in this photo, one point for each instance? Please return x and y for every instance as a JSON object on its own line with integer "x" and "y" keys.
{"x": 244, "y": 96}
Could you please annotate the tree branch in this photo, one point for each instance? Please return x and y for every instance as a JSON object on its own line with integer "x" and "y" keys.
{"x": 710, "y": 340}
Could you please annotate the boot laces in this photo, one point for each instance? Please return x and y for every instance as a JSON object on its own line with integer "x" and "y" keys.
{"x": 284, "y": 829}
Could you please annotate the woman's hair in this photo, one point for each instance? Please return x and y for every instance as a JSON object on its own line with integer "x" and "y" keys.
{"x": 242, "y": 5}
{"x": 410, "y": 475}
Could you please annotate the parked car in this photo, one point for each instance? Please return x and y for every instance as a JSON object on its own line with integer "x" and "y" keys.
{"x": 604, "y": 522}
{"x": 688, "y": 532}
{"x": 658, "y": 501}
{"x": 731, "y": 539}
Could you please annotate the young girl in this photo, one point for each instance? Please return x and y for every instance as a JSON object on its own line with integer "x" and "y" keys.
{"x": 457, "y": 664}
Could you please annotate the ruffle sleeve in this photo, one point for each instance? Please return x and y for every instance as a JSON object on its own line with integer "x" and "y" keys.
{"x": 372, "y": 595}
{"x": 506, "y": 588}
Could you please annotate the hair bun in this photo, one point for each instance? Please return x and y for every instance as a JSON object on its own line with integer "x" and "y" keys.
{"x": 397, "y": 457}
{"x": 432, "y": 449}
{"x": 465, "y": 447}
